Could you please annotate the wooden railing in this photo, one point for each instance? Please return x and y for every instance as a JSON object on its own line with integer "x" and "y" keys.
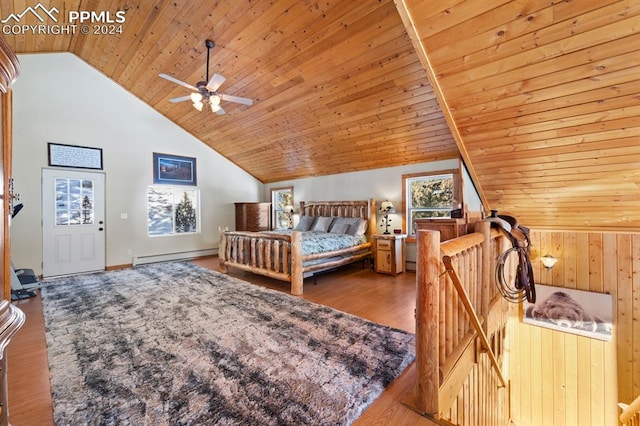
{"x": 474, "y": 319}
{"x": 630, "y": 415}
{"x": 460, "y": 329}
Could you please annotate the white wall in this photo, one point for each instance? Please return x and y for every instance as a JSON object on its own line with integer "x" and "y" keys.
{"x": 59, "y": 98}
{"x": 381, "y": 184}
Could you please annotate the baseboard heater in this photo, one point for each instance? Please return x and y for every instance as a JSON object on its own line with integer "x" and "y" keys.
{"x": 183, "y": 255}
{"x": 410, "y": 266}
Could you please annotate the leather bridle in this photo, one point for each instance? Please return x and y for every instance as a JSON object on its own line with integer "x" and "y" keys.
{"x": 523, "y": 287}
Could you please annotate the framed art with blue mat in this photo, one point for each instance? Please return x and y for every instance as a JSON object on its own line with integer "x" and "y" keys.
{"x": 174, "y": 169}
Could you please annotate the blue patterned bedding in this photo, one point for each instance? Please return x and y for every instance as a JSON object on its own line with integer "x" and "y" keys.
{"x": 321, "y": 242}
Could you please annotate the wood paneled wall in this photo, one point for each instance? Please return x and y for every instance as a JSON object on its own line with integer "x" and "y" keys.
{"x": 564, "y": 379}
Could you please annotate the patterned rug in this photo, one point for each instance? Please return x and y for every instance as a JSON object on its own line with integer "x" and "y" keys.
{"x": 177, "y": 344}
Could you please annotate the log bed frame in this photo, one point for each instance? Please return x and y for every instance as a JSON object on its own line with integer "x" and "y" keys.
{"x": 280, "y": 256}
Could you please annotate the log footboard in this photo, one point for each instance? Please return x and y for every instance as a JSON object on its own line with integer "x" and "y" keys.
{"x": 280, "y": 256}
{"x": 273, "y": 255}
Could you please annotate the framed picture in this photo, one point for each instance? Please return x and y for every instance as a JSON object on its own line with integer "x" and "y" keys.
{"x": 174, "y": 170}
{"x": 79, "y": 157}
{"x": 572, "y": 311}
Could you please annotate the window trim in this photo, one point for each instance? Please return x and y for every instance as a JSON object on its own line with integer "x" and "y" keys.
{"x": 457, "y": 193}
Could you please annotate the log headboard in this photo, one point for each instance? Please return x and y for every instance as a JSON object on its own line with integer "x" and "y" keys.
{"x": 364, "y": 209}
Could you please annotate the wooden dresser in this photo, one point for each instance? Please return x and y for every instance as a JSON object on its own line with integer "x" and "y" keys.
{"x": 449, "y": 228}
{"x": 253, "y": 216}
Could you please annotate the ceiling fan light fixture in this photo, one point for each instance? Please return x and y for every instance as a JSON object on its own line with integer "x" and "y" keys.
{"x": 206, "y": 93}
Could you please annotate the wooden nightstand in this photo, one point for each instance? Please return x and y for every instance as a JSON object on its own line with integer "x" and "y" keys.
{"x": 389, "y": 253}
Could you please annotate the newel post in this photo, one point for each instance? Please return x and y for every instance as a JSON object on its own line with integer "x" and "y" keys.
{"x": 222, "y": 248}
{"x": 427, "y": 325}
{"x": 297, "y": 276}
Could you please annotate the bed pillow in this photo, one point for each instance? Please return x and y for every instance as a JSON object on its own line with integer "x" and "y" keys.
{"x": 337, "y": 221}
{"x": 358, "y": 228}
{"x": 339, "y": 228}
{"x": 322, "y": 224}
{"x": 305, "y": 224}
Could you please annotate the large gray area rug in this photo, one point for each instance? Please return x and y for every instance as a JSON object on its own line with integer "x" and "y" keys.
{"x": 177, "y": 344}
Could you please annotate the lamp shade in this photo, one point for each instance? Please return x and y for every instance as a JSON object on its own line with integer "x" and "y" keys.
{"x": 548, "y": 261}
{"x": 387, "y": 207}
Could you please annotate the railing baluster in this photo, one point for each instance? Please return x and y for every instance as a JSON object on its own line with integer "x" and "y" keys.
{"x": 475, "y": 321}
{"x": 470, "y": 384}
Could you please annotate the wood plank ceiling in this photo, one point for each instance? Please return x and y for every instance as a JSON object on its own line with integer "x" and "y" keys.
{"x": 539, "y": 97}
{"x": 544, "y": 101}
{"x": 336, "y": 84}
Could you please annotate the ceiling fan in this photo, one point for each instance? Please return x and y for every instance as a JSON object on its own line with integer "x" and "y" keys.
{"x": 207, "y": 93}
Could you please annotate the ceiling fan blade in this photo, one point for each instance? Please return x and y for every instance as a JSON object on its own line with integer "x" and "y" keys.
{"x": 236, "y": 99}
{"x": 220, "y": 111}
{"x": 176, "y": 81}
{"x": 215, "y": 82}
{"x": 180, "y": 99}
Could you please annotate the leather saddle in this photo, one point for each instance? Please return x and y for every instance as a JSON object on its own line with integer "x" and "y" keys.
{"x": 518, "y": 235}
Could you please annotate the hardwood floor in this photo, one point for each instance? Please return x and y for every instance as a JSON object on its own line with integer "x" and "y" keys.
{"x": 29, "y": 392}
{"x": 384, "y": 299}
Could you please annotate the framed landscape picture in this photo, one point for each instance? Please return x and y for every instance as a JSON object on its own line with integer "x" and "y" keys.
{"x": 174, "y": 170}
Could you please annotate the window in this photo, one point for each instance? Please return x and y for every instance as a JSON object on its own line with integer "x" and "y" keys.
{"x": 172, "y": 211}
{"x": 282, "y": 207}
{"x": 430, "y": 195}
{"x": 74, "y": 201}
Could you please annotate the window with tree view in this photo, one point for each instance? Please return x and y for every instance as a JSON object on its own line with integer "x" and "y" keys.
{"x": 429, "y": 196}
{"x": 74, "y": 202}
{"x": 172, "y": 211}
{"x": 282, "y": 206}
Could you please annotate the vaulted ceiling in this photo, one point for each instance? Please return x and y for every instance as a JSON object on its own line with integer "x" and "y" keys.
{"x": 540, "y": 98}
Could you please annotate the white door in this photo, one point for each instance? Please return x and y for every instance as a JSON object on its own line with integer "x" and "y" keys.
{"x": 73, "y": 228}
